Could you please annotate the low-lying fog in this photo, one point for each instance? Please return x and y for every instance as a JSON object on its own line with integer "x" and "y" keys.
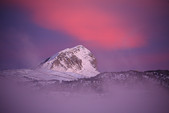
{"x": 116, "y": 99}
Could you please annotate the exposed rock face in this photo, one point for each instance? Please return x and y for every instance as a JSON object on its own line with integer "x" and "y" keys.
{"x": 77, "y": 60}
{"x": 70, "y": 62}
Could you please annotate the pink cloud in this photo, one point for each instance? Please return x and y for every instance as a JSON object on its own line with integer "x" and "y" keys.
{"x": 86, "y": 21}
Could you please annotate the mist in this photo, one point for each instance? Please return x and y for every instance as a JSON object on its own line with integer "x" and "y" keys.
{"x": 114, "y": 98}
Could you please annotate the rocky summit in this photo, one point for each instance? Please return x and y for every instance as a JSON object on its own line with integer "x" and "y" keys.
{"x": 76, "y": 60}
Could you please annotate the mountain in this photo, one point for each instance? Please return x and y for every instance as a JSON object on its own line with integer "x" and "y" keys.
{"x": 77, "y": 60}
{"x": 23, "y": 91}
{"x": 76, "y": 67}
{"x": 59, "y": 81}
{"x": 69, "y": 82}
{"x": 105, "y": 80}
{"x": 43, "y": 88}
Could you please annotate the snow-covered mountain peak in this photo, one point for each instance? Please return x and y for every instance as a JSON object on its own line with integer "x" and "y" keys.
{"x": 76, "y": 49}
{"x": 77, "y": 60}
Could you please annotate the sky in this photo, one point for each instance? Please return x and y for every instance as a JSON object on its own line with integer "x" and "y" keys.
{"x": 122, "y": 34}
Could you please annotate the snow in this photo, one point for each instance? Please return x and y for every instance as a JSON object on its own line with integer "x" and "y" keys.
{"x": 48, "y": 98}
{"x": 43, "y": 75}
{"x": 53, "y": 57}
{"x": 82, "y": 53}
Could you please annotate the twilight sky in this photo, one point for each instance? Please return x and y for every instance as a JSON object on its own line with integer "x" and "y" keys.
{"x": 122, "y": 34}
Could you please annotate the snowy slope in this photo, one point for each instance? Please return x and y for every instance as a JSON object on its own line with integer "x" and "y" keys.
{"x": 109, "y": 92}
{"x": 76, "y": 60}
{"x": 66, "y": 81}
{"x": 40, "y": 75}
{"x": 68, "y": 65}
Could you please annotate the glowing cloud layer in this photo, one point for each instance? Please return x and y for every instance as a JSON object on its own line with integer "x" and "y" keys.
{"x": 101, "y": 23}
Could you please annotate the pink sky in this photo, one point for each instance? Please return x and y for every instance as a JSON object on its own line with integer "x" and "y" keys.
{"x": 114, "y": 26}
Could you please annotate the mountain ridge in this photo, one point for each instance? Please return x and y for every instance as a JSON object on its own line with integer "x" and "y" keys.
{"x": 155, "y": 78}
{"x": 77, "y": 60}
{"x": 75, "y": 67}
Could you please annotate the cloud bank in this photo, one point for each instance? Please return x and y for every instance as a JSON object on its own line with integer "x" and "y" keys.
{"x": 116, "y": 24}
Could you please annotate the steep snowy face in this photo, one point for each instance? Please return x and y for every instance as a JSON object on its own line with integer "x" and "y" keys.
{"x": 77, "y": 60}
